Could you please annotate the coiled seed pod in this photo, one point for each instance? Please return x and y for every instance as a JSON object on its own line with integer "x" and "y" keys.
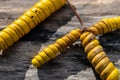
{"x": 98, "y": 58}
{"x": 105, "y": 25}
{"x": 52, "y": 50}
{"x": 35, "y": 15}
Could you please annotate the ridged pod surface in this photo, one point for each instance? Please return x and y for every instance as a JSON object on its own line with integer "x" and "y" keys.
{"x": 96, "y": 55}
{"x": 32, "y": 17}
{"x": 105, "y": 25}
{"x": 52, "y": 50}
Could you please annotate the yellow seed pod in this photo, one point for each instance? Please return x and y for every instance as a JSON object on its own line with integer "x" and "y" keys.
{"x": 95, "y": 54}
{"x": 105, "y": 25}
{"x": 29, "y": 20}
{"x": 60, "y": 45}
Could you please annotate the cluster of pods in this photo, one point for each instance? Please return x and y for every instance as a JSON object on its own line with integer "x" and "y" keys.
{"x": 94, "y": 51}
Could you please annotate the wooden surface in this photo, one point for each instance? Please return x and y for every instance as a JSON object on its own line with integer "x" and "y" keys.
{"x": 72, "y": 64}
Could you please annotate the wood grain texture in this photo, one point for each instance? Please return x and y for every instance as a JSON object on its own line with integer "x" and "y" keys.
{"x": 72, "y": 64}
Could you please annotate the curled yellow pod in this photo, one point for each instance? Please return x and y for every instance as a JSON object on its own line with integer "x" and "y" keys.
{"x": 96, "y": 55}
{"x": 105, "y": 25}
{"x": 29, "y": 20}
{"x": 60, "y": 45}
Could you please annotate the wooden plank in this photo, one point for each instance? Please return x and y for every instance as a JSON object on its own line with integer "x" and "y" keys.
{"x": 71, "y": 64}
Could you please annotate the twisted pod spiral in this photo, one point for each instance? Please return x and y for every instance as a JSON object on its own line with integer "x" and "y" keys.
{"x": 95, "y": 54}
{"x": 21, "y": 26}
{"x": 105, "y": 25}
{"x": 52, "y": 50}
